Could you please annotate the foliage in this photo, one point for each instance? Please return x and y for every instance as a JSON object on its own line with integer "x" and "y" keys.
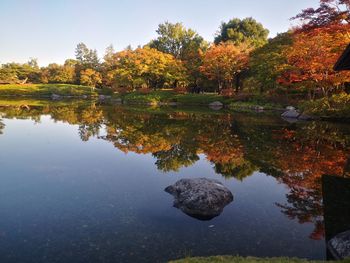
{"x": 329, "y": 12}
{"x": 55, "y": 73}
{"x": 238, "y": 31}
{"x": 267, "y": 62}
{"x": 312, "y": 56}
{"x": 224, "y": 62}
{"x": 11, "y": 73}
{"x": 90, "y": 77}
{"x": 146, "y": 67}
{"x": 336, "y": 106}
{"x": 176, "y": 40}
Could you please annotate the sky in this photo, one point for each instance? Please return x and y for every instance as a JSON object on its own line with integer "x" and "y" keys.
{"x": 49, "y": 30}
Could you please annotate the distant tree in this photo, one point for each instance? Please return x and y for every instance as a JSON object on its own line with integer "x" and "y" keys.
{"x": 86, "y": 57}
{"x": 223, "y": 63}
{"x": 146, "y": 67}
{"x": 176, "y": 40}
{"x": 90, "y": 77}
{"x": 55, "y": 73}
{"x": 20, "y": 73}
{"x": 238, "y": 31}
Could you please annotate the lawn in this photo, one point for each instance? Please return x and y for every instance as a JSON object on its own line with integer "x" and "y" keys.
{"x": 45, "y": 90}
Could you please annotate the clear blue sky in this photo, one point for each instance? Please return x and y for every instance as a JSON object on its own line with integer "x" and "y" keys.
{"x": 50, "y": 29}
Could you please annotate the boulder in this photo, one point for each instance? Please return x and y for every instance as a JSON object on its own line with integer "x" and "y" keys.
{"x": 292, "y": 114}
{"x": 216, "y": 105}
{"x": 339, "y": 245}
{"x": 290, "y": 108}
{"x": 55, "y": 96}
{"x": 200, "y": 198}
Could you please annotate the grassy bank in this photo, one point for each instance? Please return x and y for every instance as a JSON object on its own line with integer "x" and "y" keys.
{"x": 45, "y": 90}
{"x": 233, "y": 259}
{"x": 169, "y": 97}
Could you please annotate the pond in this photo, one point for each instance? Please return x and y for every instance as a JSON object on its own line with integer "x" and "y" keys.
{"x": 84, "y": 182}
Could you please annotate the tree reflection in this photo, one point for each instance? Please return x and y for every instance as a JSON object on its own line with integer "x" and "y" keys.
{"x": 297, "y": 155}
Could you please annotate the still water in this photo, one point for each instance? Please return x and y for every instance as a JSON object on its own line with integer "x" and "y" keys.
{"x": 82, "y": 182}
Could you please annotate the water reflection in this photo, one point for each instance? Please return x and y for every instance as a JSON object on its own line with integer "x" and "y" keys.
{"x": 237, "y": 145}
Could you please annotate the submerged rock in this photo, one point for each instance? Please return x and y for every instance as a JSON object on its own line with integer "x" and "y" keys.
{"x": 290, "y": 114}
{"x": 200, "y": 198}
{"x": 339, "y": 245}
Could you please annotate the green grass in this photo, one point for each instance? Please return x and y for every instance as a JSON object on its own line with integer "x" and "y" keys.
{"x": 166, "y": 96}
{"x": 252, "y": 105}
{"x": 233, "y": 259}
{"x": 45, "y": 90}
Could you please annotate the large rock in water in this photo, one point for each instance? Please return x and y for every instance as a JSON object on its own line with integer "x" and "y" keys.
{"x": 339, "y": 245}
{"x": 200, "y": 198}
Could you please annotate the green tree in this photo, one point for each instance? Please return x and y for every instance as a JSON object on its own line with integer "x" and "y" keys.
{"x": 86, "y": 57}
{"x": 247, "y": 30}
{"x": 267, "y": 62}
{"x": 177, "y": 40}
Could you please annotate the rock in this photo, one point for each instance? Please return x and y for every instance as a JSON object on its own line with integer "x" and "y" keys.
{"x": 101, "y": 97}
{"x": 84, "y": 97}
{"x": 293, "y": 114}
{"x": 216, "y": 105}
{"x": 55, "y": 96}
{"x": 339, "y": 245}
{"x": 200, "y": 198}
{"x": 258, "y": 108}
{"x": 290, "y": 108}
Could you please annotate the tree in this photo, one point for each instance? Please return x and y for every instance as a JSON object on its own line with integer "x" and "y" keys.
{"x": 238, "y": 31}
{"x": 90, "y": 77}
{"x": 55, "y": 73}
{"x": 312, "y": 56}
{"x": 267, "y": 62}
{"x": 176, "y": 40}
{"x": 146, "y": 67}
{"x": 223, "y": 63}
{"x": 86, "y": 57}
{"x": 329, "y": 12}
{"x": 20, "y": 73}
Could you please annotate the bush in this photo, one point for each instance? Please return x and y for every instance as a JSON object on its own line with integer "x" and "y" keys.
{"x": 337, "y": 106}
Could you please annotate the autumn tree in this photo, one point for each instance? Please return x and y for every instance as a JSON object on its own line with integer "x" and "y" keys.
{"x": 312, "y": 56}
{"x": 90, "y": 77}
{"x": 238, "y": 31}
{"x": 223, "y": 63}
{"x": 146, "y": 67}
{"x": 329, "y": 12}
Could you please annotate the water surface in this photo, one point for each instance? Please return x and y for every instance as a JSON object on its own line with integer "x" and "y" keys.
{"x": 82, "y": 182}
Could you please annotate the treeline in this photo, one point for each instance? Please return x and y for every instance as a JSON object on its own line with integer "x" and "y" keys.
{"x": 241, "y": 59}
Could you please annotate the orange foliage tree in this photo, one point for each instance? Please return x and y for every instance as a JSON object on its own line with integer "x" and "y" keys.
{"x": 312, "y": 56}
{"x": 224, "y": 62}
